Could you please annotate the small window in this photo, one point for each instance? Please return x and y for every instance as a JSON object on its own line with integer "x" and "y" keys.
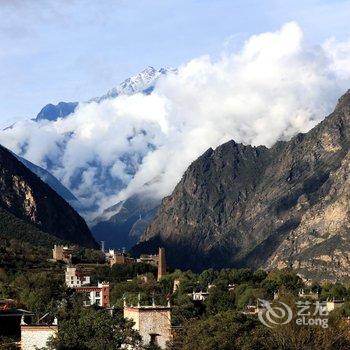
{"x": 153, "y": 340}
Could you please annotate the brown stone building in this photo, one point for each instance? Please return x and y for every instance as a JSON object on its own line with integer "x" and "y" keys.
{"x": 62, "y": 253}
{"x": 152, "y": 322}
{"x": 118, "y": 258}
{"x": 76, "y": 277}
{"x": 148, "y": 259}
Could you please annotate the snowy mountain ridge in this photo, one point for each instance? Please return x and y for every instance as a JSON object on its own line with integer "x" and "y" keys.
{"x": 142, "y": 82}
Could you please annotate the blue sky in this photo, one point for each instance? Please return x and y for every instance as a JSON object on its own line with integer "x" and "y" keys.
{"x": 62, "y": 50}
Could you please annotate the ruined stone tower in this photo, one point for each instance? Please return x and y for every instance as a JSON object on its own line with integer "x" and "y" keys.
{"x": 161, "y": 263}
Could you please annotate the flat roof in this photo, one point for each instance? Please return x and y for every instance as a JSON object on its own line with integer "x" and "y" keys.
{"x": 15, "y": 312}
{"x": 148, "y": 307}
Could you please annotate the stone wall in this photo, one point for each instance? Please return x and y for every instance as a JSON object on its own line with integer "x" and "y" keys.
{"x": 153, "y": 323}
{"x": 36, "y": 337}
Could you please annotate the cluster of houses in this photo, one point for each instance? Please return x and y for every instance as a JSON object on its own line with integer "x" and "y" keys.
{"x": 114, "y": 257}
{"x": 202, "y": 295}
{"x": 153, "y": 322}
{"x": 327, "y": 306}
{"x": 80, "y": 281}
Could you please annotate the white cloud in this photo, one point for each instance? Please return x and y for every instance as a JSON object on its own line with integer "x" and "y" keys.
{"x": 270, "y": 90}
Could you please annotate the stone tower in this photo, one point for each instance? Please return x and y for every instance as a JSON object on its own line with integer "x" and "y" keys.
{"x": 161, "y": 263}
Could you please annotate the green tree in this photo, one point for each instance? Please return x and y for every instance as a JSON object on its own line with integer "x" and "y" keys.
{"x": 247, "y": 295}
{"x": 207, "y": 277}
{"x": 336, "y": 291}
{"x": 224, "y": 331}
{"x": 185, "y": 309}
{"x": 94, "y": 329}
{"x": 287, "y": 279}
{"x": 219, "y": 300}
{"x": 39, "y": 292}
{"x": 243, "y": 275}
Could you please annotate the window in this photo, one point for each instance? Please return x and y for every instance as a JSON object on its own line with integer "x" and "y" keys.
{"x": 153, "y": 340}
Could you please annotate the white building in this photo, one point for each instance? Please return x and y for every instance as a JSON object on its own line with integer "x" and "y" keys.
{"x": 97, "y": 295}
{"x": 199, "y": 296}
{"x": 231, "y": 287}
{"x": 308, "y": 295}
{"x": 333, "y": 305}
{"x": 76, "y": 278}
{"x": 36, "y": 336}
{"x": 176, "y": 285}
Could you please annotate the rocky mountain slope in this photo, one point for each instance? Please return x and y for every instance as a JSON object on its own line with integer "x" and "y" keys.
{"x": 26, "y": 197}
{"x": 253, "y": 206}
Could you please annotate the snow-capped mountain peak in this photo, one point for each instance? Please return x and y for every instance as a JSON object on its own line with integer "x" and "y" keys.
{"x": 142, "y": 82}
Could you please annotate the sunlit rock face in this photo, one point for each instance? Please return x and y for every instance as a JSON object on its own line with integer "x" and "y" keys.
{"x": 25, "y": 195}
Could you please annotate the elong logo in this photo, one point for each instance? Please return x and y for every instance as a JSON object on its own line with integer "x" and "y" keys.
{"x": 271, "y": 316}
{"x": 280, "y": 313}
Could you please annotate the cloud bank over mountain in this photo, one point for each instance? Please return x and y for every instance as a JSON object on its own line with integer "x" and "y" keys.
{"x": 273, "y": 88}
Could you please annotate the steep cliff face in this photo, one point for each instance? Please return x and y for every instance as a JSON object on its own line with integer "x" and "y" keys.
{"x": 320, "y": 245}
{"x": 28, "y": 198}
{"x": 246, "y": 206}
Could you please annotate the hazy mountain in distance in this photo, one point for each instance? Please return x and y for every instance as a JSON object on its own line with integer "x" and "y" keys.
{"x": 53, "y": 112}
{"x": 123, "y": 224}
{"x": 53, "y": 182}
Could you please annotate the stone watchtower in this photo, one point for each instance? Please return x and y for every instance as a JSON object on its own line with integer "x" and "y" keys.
{"x": 161, "y": 263}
